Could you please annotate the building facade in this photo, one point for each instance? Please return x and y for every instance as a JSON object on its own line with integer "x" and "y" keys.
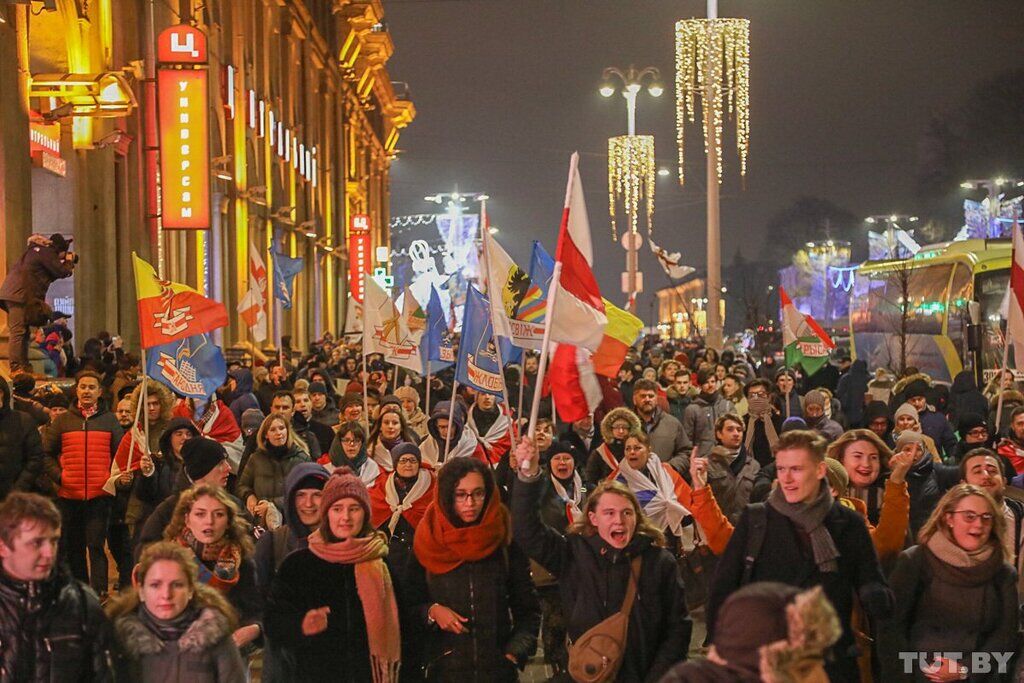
{"x": 295, "y": 124}
{"x": 682, "y": 310}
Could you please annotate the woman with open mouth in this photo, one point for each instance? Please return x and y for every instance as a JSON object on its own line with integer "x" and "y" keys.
{"x": 956, "y": 596}
{"x": 390, "y": 430}
{"x": 170, "y": 625}
{"x": 206, "y": 521}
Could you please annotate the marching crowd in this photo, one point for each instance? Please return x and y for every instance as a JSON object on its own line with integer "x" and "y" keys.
{"x": 841, "y": 526}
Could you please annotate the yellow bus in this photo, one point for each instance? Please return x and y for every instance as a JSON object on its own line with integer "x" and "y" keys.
{"x": 937, "y": 285}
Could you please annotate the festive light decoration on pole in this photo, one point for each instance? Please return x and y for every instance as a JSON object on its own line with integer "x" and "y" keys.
{"x": 713, "y": 62}
{"x": 631, "y": 176}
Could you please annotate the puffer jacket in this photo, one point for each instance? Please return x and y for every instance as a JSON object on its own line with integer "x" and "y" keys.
{"x": 265, "y": 473}
{"x": 205, "y": 652}
{"x": 79, "y": 452}
{"x": 21, "y": 449}
{"x": 496, "y": 594}
{"x": 53, "y": 631}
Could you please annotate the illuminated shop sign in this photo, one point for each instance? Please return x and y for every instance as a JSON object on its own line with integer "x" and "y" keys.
{"x": 44, "y": 147}
{"x": 358, "y": 254}
{"x": 183, "y": 101}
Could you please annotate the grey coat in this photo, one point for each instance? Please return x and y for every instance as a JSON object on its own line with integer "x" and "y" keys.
{"x": 668, "y": 440}
{"x": 205, "y": 653}
{"x": 699, "y": 422}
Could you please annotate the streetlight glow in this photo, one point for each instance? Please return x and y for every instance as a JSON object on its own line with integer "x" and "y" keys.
{"x": 664, "y": 172}
{"x": 607, "y": 90}
{"x": 655, "y": 90}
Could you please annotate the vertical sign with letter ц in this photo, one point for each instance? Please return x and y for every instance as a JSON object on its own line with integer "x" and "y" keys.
{"x": 182, "y": 105}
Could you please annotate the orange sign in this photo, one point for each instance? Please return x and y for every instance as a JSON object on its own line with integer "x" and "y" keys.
{"x": 184, "y": 148}
{"x": 182, "y": 44}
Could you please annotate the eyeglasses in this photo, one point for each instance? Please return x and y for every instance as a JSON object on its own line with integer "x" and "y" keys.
{"x": 475, "y": 496}
{"x": 757, "y": 394}
{"x": 408, "y": 461}
{"x": 978, "y": 431}
{"x": 970, "y": 516}
{"x": 351, "y": 442}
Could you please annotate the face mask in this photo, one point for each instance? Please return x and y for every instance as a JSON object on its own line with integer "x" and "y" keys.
{"x": 758, "y": 405}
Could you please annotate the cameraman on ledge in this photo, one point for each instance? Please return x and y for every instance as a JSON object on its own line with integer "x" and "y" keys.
{"x": 23, "y": 292}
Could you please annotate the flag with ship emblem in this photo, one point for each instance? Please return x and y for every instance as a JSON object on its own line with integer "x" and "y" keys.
{"x": 193, "y": 367}
{"x": 518, "y": 304}
{"x": 477, "y": 365}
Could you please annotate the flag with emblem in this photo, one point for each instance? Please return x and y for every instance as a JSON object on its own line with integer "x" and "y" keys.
{"x": 171, "y": 311}
{"x": 192, "y": 367}
{"x": 517, "y": 303}
{"x": 803, "y": 339}
{"x": 384, "y": 330}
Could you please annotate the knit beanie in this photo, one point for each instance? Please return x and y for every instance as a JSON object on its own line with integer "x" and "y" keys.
{"x": 906, "y": 409}
{"x": 909, "y": 437}
{"x": 838, "y": 477}
{"x": 969, "y": 421}
{"x": 407, "y": 393}
{"x": 389, "y": 399}
{"x": 753, "y": 616}
{"x": 317, "y": 388}
{"x": 792, "y": 423}
{"x": 405, "y": 448}
{"x": 814, "y": 398}
{"x": 252, "y": 418}
{"x": 344, "y": 484}
{"x": 200, "y": 456}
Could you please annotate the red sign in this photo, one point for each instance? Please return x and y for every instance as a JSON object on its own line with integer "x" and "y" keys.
{"x": 182, "y": 105}
{"x": 44, "y": 146}
{"x": 358, "y": 254}
{"x": 181, "y": 44}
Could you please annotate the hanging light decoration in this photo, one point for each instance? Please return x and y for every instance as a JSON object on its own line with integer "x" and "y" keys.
{"x": 631, "y": 175}
{"x": 713, "y": 61}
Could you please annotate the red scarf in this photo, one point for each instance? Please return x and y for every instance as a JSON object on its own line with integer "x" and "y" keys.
{"x": 440, "y": 546}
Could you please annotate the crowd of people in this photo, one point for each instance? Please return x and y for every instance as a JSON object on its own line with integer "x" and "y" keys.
{"x": 324, "y": 516}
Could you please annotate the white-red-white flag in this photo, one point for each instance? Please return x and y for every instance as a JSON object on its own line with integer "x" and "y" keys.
{"x": 253, "y": 306}
{"x": 1015, "y": 309}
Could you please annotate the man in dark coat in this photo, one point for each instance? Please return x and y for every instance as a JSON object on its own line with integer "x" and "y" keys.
{"x": 52, "y": 627}
{"x": 23, "y": 292}
{"x": 851, "y": 390}
{"x": 802, "y": 537}
{"x": 21, "y": 448}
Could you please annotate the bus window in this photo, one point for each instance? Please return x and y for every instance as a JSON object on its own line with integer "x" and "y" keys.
{"x": 990, "y": 288}
{"x": 960, "y": 295}
{"x": 877, "y": 301}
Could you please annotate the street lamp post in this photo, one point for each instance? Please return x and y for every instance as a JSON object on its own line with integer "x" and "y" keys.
{"x": 891, "y": 222}
{"x": 631, "y": 169}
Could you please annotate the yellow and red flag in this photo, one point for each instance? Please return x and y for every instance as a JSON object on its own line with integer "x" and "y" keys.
{"x": 169, "y": 311}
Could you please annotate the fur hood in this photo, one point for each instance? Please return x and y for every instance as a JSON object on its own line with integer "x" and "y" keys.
{"x": 813, "y": 628}
{"x": 165, "y": 396}
{"x": 619, "y": 414}
{"x": 1010, "y": 396}
{"x": 902, "y": 384}
{"x": 209, "y": 628}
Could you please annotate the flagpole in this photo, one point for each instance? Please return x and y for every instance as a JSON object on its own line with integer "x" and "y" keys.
{"x": 485, "y": 231}
{"x": 427, "y": 411}
{"x": 522, "y": 383}
{"x": 999, "y": 380}
{"x": 451, "y": 416}
{"x": 145, "y": 412}
{"x": 366, "y": 367}
{"x": 542, "y": 367}
{"x": 394, "y": 383}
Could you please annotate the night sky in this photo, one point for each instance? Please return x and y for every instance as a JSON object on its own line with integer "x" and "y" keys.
{"x": 505, "y": 90}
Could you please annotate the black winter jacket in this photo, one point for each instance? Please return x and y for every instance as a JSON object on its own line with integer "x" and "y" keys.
{"x": 32, "y": 275}
{"x": 496, "y": 594}
{"x": 592, "y": 581}
{"x": 53, "y": 631}
{"x": 21, "y": 447}
{"x": 786, "y": 557}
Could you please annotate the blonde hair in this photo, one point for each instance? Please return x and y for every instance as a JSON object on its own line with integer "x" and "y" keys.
{"x": 202, "y": 595}
{"x": 644, "y": 527}
{"x": 293, "y": 438}
{"x": 837, "y": 449}
{"x": 238, "y": 529}
{"x": 947, "y": 505}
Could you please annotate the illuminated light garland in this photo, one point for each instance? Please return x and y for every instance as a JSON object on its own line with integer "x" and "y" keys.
{"x": 842, "y": 277}
{"x": 631, "y": 178}
{"x": 713, "y": 61}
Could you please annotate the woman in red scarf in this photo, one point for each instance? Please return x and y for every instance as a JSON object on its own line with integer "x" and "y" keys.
{"x": 481, "y": 605}
{"x": 207, "y": 521}
{"x": 332, "y": 611}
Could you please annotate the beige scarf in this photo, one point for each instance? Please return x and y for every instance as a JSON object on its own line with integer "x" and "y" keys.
{"x": 421, "y": 486}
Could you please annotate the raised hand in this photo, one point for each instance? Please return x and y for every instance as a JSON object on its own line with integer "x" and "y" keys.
{"x": 315, "y": 621}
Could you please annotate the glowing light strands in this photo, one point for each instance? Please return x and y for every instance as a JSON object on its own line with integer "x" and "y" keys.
{"x": 631, "y": 176}
{"x": 713, "y": 62}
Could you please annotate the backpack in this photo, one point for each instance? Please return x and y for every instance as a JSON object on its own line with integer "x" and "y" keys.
{"x": 758, "y": 520}
{"x": 596, "y": 655}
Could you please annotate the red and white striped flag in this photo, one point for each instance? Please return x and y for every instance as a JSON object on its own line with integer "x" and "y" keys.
{"x": 253, "y": 306}
{"x": 1015, "y": 312}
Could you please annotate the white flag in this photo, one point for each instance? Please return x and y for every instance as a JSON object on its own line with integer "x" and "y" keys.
{"x": 385, "y": 332}
{"x": 253, "y": 305}
{"x": 517, "y": 304}
{"x": 670, "y": 262}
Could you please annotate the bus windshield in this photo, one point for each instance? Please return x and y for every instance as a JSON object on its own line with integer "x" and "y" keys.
{"x": 877, "y": 304}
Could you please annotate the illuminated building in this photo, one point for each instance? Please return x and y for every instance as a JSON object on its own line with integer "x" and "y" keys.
{"x": 682, "y": 310}
{"x": 299, "y": 128}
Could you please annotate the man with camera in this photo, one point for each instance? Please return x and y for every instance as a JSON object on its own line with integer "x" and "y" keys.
{"x": 23, "y": 293}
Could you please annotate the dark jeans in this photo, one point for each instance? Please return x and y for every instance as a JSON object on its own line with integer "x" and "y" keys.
{"x": 17, "y": 343}
{"x": 119, "y": 540}
{"x": 85, "y": 530}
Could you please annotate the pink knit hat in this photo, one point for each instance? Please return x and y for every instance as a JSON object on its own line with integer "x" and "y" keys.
{"x": 344, "y": 484}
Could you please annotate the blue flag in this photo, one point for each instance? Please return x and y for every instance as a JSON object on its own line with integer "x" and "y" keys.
{"x": 542, "y": 269}
{"x": 285, "y": 270}
{"x": 477, "y": 365}
{"x": 193, "y": 367}
{"x": 437, "y": 347}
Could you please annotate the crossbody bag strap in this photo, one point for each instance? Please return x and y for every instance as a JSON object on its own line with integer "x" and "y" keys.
{"x": 634, "y": 571}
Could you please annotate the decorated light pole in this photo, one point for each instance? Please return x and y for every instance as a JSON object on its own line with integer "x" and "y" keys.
{"x": 631, "y": 172}
{"x": 713, "y": 63}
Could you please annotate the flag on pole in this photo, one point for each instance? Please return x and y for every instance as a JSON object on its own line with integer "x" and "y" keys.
{"x": 285, "y": 270}
{"x": 518, "y": 306}
{"x": 353, "y": 320}
{"x": 574, "y": 386}
{"x": 412, "y": 314}
{"x": 670, "y": 262}
{"x": 805, "y": 342}
{"x": 193, "y": 367}
{"x": 437, "y": 343}
{"x": 171, "y": 311}
{"x": 253, "y": 305}
{"x": 477, "y": 365}
{"x": 1015, "y": 309}
{"x": 622, "y": 331}
{"x": 385, "y": 332}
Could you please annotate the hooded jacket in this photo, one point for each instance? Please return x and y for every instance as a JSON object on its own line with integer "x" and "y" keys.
{"x": 461, "y": 443}
{"x": 154, "y": 489}
{"x": 850, "y": 391}
{"x": 598, "y": 466}
{"x": 964, "y": 398}
{"x": 877, "y": 409}
{"x": 243, "y": 398}
{"x": 21, "y": 448}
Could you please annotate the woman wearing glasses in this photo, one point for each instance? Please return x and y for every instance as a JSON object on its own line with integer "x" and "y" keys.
{"x": 481, "y": 609}
{"x": 349, "y": 450}
{"x": 955, "y": 593}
